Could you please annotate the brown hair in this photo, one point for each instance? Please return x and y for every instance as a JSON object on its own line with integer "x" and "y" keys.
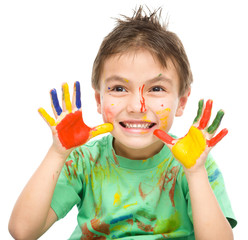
{"x": 143, "y": 31}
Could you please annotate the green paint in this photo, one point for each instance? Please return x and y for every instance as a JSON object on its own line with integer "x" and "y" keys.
{"x": 199, "y": 112}
{"x": 147, "y": 215}
{"x": 160, "y": 74}
{"x": 216, "y": 123}
{"x": 168, "y": 225}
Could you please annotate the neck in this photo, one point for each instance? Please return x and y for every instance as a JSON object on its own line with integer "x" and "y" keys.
{"x": 137, "y": 154}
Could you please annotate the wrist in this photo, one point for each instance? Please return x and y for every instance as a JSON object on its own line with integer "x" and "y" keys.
{"x": 194, "y": 174}
{"x": 60, "y": 154}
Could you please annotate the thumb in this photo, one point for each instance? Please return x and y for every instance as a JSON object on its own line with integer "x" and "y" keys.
{"x": 165, "y": 137}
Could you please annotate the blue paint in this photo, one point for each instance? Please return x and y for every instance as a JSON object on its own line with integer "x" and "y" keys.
{"x": 125, "y": 217}
{"x": 78, "y": 95}
{"x": 56, "y": 102}
{"x": 214, "y": 176}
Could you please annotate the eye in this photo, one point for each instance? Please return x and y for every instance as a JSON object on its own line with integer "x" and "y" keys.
{"x": 118, "y": 89}
{"x": 157, "y": 89}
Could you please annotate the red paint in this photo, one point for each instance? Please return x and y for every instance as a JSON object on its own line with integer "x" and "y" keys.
{"x": 144, "y": 227}
{"x": 72, "y": 131}
{"x": 206, "y": 115}
{"x": 174, "y": 172}
{"x": 162, "y": 105}
{"x": 115, "y": 158}
{"x": 87, "y": 234}
{"x": 163, "y": 136}
{"x": 142, "y": 100}
{"x": 68, "y": 164}
{"x": 217, "y": 138}
{"x": 142, "y": 194}
{"x": 99, "y": 226}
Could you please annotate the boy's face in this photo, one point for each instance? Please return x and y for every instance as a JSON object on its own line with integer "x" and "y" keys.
{"x": 137, "y": 95}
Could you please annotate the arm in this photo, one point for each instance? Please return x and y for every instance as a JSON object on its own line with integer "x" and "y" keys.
{"x": 192, "y": 151}
{"x": 32, "y": 214}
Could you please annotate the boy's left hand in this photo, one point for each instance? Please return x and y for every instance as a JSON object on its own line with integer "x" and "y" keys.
{"x": 192, "y": 150}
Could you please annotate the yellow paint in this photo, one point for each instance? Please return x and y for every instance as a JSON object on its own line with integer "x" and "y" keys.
{"x": 66, "y": 97}
{"x": 47, "y": 117}
{"x": 129, "y": 205}
{"x": 126, "y": 80}
{"x": 163, "y": 116}
{"x": 117, "y": 199}
{"x": 188, "y": 149}
{"x": 103, "y": 128}
{"x": 145, "y": 119}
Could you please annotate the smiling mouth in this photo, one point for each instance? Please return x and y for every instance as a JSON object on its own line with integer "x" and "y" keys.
{"x": 138, "y": 125}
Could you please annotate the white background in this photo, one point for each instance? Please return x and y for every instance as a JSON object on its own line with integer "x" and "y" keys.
{"x": 45, "y": 43}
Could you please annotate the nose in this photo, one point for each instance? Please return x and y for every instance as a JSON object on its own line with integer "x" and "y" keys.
{"x": 136, "y": 104}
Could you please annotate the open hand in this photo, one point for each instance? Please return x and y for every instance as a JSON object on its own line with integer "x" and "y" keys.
{"x": 68, "y": 126}
{"x": 199, "y": 140}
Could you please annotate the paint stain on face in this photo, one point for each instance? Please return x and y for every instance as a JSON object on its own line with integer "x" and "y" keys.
{"x": 126, "y": 80}
{"x": 163, "y": 117}
{"x": 108, "y": 114}
{"x": 142, "y": 99}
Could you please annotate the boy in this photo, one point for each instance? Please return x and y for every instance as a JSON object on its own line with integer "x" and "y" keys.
{"x": 139, "y": 182}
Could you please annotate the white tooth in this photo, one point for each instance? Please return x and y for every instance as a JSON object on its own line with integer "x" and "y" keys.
{"x": 128, "y": 125}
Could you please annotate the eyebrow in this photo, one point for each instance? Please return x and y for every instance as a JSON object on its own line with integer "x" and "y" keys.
{"x": 158, "y": 78}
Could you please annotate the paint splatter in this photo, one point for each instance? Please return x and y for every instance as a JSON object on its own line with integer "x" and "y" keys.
{"x": 168, "y": 225}
{"x": 144, "y": 227}
{"x": 142, "y": 100}
{"x": 117, "y": 199}
{"x": 121, "y": 218}
{"x": 214, "y": 176}
{"x": 141, "y": 190}
{"x": 99, "y": 226}
{"x": 87, "y": 234}
{"x": 163, "y": 116}
{"x": 129, "y": 205}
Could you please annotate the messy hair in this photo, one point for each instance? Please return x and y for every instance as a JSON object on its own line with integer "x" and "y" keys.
{"x": 144, "y": 31}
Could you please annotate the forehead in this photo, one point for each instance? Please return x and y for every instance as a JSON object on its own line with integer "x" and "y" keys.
{"x": 138, "y": 65}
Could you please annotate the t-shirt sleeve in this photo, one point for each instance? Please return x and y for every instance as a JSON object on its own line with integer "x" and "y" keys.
{"x": 217, "y": 184}
{"x": 69, "y": 186}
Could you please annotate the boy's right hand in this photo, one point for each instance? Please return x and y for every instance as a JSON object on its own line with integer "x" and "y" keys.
{"x": 68, "y": 127}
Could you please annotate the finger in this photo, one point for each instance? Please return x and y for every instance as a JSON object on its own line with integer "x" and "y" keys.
{"x": 216, "y": 123}
{"x": 217, "y": 138}
{"x": 103, "y": 128}
{"x": 55, "y": 103}
{"x": 199, "y": 111}
{"x": 76, "y": 100}
{"x": 66, "y": 98}
{"x": 206, "y": 115}
{"x": 164, "y": 136}
{"x": 50, "y": 121}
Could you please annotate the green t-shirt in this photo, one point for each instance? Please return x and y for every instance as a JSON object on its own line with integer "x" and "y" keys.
{"x": 130, "y": 199}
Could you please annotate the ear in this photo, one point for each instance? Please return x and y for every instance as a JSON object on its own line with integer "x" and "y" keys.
{"x": 182, "y": 103}
{"x": 98, "y": 101}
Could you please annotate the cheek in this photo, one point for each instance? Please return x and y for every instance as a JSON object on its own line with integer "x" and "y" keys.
{"x": 109, "y": 113}
{"x": 164, "y": 117}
